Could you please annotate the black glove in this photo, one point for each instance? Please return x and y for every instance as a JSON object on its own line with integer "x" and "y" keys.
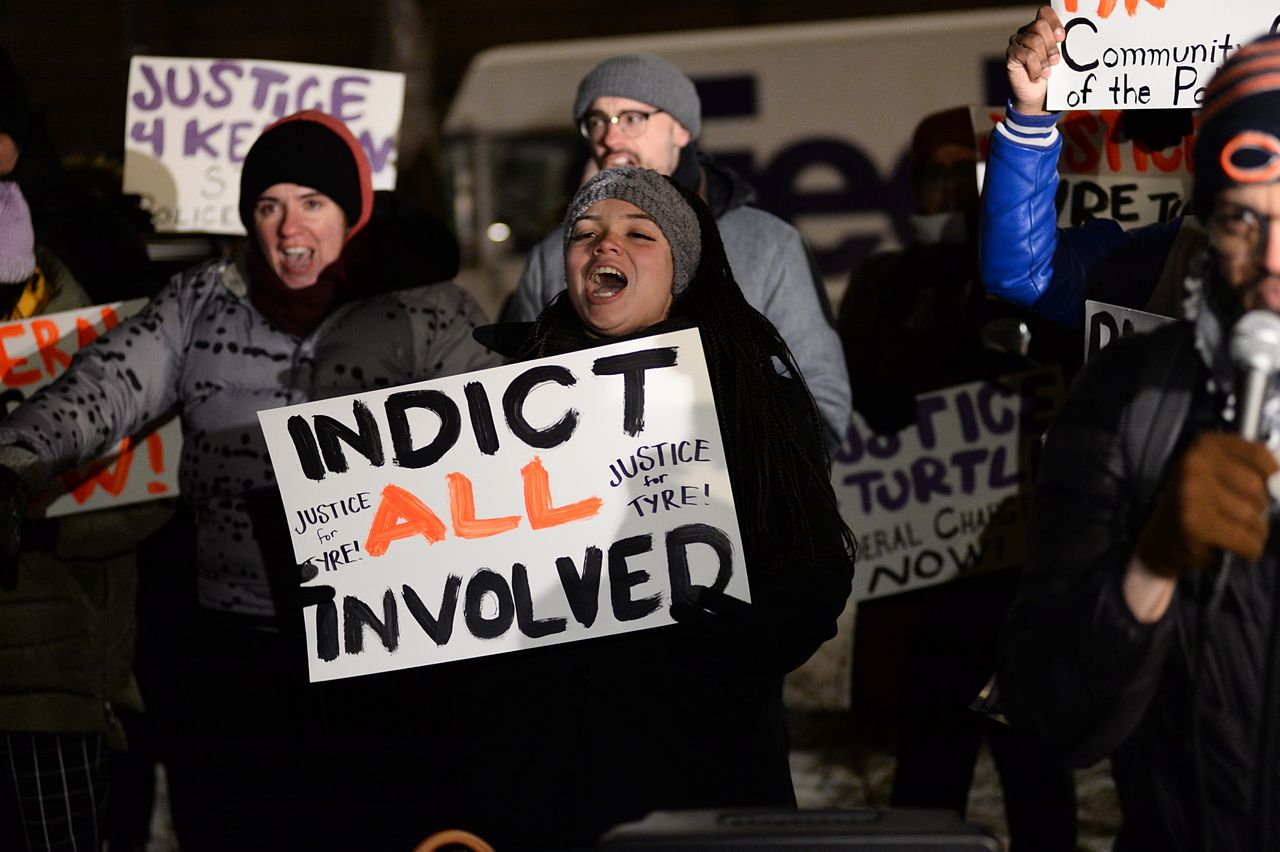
{"x": 15, "y": 498}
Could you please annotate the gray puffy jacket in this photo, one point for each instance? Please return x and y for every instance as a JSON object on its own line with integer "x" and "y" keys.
{"x": 202, "y": 349}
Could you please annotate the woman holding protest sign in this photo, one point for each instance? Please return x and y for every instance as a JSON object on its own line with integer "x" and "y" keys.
{"x": 323, "y": 301}
{"x": 690, "y": 715}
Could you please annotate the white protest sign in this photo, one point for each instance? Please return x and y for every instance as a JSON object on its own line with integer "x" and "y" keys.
{"x": 1149, "y": 54}
{"x": 190, "y": 122}
{"x": 555, "y": 500}
{"x": 948, "y": 497}
{"x": 36, "y": 351}
{"x": 1103, "y": 176}
{"x": 1104, "y": 323}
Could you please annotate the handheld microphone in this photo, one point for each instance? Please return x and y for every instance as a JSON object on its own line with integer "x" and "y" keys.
{"x": 1255, "y": 348}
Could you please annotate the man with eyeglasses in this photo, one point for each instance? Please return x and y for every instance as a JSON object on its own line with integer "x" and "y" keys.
{"x": 640, "y": 110}
{"x": 1146, "y": 627}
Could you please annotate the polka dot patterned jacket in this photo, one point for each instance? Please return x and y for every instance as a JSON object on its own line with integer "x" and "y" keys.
{"x": 200, "y": 347}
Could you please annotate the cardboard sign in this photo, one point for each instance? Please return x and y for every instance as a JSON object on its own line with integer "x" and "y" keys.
{"x": 949, "y": 496}
{"x": 1104, "y": 323}
{"x": 33, "y": 353}
{"x": 190, "y": 122}
{"x": 529, "y": 505}
{"x": 1148, "y": 54}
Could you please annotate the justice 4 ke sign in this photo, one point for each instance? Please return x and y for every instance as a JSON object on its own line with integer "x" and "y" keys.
{"x": 190, "y": 122}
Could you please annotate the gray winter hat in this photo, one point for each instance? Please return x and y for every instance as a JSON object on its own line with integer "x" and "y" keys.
{"x": 642, "y": 77}
{"x": 655, "y": 195}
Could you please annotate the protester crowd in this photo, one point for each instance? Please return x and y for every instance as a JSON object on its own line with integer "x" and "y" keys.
{"x": 1140, "y": 627}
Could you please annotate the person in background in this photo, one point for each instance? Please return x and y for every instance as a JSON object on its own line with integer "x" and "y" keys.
{"x": 1026, "y": 258}
{"x": 691, "y": 715}
{"x": 66, "y": 616}
{"x": 640, "y": 110}
{"x": 324, "y": 300}
{"x": 1145, "y": 626}
{"x": 913, "y": 321}
{"x": 98, "y": 234}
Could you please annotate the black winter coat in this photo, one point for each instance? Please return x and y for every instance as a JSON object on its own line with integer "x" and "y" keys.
{"x": 1087, "y": 679}
{"x": 557, "y": 745}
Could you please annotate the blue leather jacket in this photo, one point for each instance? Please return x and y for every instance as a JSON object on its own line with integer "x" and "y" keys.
{"x": 1028, "y": 260}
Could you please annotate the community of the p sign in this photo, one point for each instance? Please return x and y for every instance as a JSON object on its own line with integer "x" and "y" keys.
{"x": 1148, "y": 54}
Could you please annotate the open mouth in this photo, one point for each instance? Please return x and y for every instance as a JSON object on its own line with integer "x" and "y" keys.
{"x": 297, "y": 259}
{"x": 607, "y": 282}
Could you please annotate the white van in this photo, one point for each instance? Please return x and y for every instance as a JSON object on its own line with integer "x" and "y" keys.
{"x": 817, "y": 116}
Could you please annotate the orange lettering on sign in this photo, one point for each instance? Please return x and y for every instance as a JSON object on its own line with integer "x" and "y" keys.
{"x": 537, "y": 500}
{"x": 155, "y": 453}
{"x": 46, "y": 335}
{"x": 86, "y": 333}
{"x": 112, "y": 478}
{"x": 9, "y": 365}
{"x": 401, "y": 515}
{"x": 462, "y": 506}
{"x": 1106, "y": 7}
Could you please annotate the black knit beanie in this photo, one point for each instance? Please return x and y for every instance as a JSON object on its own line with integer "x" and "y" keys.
{"x": 1238, "y": 141}
{"x": 300, "y": 149}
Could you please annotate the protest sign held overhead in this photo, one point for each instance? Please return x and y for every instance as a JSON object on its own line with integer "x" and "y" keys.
{"x": 1148, "y": 54}
{"x": 190, "y": 122}
{"x": 551, "y": 501}
{"x": 947, "y": 497}
{"x": 36, "y": 351}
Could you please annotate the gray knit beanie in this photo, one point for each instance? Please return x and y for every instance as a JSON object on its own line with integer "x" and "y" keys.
{"x": 646, "y": 78}
{"x": 655, "y": 195}
{"x": 17, "y": 240}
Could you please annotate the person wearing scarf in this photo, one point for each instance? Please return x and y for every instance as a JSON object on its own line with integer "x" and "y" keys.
{"x": 327, "y": 298}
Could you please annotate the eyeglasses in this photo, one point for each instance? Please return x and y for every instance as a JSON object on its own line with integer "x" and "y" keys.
{"x": 1238, "y": 228}
{"x": 632, "y": 122}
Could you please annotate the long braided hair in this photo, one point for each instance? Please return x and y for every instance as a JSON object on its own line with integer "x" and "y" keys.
{"x": 783, "y": 455}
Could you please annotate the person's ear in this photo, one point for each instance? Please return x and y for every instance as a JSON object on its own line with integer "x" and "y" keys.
{"x": 681, "y": 136}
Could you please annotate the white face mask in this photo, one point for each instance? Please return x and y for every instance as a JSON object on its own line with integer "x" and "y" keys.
{"x": 947, "y": 228}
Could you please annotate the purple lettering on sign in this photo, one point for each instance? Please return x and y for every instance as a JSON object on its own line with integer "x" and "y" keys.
{"x": 341, "y": 97}
{"x": 217, "y": 71}
{"x": 171, "y": 83}
{"x": 895, "y": 502}
{"x": 139, "y": 133}
{"x": 264, "y": 77}
{"x": 999, "y": 478}
{"x": 194, "y": 139}
{"x": 157, "y": 96}
{"x": 303, "y": 88}
{"x": 234, "y": 149}
{"x": 378, "y": 154}
{"x": 968, "y": 421}
{"x": 863, "y": 480}
{"x": 968, "y": 461}
{"x": 998, "y": 425}
{"x": 930, "y": 477}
